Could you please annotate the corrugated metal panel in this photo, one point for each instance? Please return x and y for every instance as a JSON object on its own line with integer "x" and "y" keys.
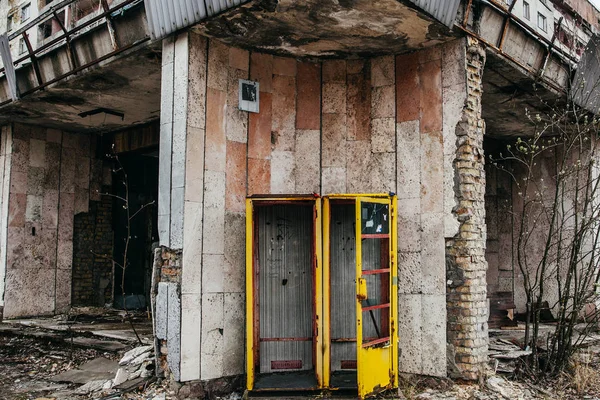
{"x": 585, "y": 90}
{"x": 168, "y": 16}
{"x": 442, "y": 10}
{"x": 285, "y": 237}
{"x": 343, "y": 284}
{"x": 9, "y": 68}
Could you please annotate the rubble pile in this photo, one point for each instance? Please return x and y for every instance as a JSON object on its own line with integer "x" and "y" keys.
{"x": 495, "y": 388}
{"x": 504, "y": 355}
{"x": 136, "y": 363}
{"x": 135, "y": 367}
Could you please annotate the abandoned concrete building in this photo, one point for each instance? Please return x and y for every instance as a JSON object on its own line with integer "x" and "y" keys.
{"x": 312, "y": 174}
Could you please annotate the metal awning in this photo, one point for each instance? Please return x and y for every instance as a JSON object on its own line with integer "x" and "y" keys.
{"x": 168, "y": 16}
{"x": 442, "y": 10}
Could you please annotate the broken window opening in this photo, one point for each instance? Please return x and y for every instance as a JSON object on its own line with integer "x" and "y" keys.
{"x": 50, "y": 27}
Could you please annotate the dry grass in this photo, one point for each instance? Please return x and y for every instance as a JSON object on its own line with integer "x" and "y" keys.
{"x": 409, "y": 388}
{"x": 585, "y": 378}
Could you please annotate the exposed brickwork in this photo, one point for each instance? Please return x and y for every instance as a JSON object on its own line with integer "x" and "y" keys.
{"x": 465, "y": 253}
{"x": 171, "y": 265}
{"x": 167, "y": 268}
{"x": 92, "y": 254}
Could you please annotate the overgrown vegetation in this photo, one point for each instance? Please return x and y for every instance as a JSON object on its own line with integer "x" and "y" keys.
{"x": 555, "y": 169}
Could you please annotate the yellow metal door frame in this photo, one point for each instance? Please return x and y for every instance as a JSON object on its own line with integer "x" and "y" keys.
{"x": 251, "y": 280}
{"x": 365, "y": 366}
{"x": 376, "y": 361}
{"x": 322, "y": 206}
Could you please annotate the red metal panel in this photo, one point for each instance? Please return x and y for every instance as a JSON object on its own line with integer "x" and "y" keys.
{"x": 348, "y": 364}
{"x": 376, "y": 341}
{"x": 286, "y": 364}
{"x": 376, "y": 271}
{"x": 375, "y": 235}
{"x": 376, "y": 307}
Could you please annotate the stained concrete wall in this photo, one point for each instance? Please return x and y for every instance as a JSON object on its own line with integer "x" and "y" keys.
{"x": 5, "y": 163}
{"x": 499, "y": 221}
{"x": 436, "y": 80}
{"x": 504, "y": 273}
{"x": 384, "y": 124}
{"x": 50, "y": 175}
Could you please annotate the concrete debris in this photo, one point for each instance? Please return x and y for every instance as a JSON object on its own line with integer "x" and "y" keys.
{"x": 502, "y": 387}
{"x": 92, "y": 386}
{"x": 120, "y": 377}
{"x": 104, "y": 345}
{"x": 504, "y": 354}
{"x": 136, "y": 363}
{"x": 496, "y": 388}
{"x": 97, "y": 369}
{"x": 512, "y": 355}
{"x": 232, "y": 396}
{"x": 133, "y": 354}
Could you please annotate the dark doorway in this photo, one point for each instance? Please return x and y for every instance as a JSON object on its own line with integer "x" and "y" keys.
{"x": 141, "y": 190}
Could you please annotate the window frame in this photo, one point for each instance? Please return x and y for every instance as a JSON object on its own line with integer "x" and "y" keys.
{"x": 22, "y": 46}
{"x": 542, "y": 18}
{"x": 25, "y": 9}
{"x": 526, "y": 10}
{"x": 10, "y": 22}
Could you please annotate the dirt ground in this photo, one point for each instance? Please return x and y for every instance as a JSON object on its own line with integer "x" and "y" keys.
{"x": 30, "y": 357}
{"x": 27, "y": 363}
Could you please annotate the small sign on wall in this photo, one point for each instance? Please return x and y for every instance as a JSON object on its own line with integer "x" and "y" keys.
{"x": 249, "y": 96}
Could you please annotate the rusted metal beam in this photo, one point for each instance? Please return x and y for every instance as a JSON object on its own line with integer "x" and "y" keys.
{"x": 40, "y": 18}
{"x": 501, "y": 8}
{"x": 72, "y": 55}
{"x": 109, "y": 25}
{"x": 36, "y": 67}
{"x": 82, "y": 67}
{"x": 507, "y": 18}
{"x": 467, "y": 12}
{"x": 509, "y": 57}
{"x": 76, "y": 29}
{"x": 549, "y": 49}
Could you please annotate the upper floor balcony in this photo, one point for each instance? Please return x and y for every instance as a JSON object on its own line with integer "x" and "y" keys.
{"x": 96, "y": 64}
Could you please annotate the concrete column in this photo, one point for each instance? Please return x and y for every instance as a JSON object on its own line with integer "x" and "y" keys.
{"x": 181, "y": 182}
{"x": 465, "y": 252}
{"x": 5, "y": 161}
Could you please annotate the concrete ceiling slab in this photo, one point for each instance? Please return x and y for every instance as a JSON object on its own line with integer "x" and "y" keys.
{"x": 128, "y": 85}
{"x": 327, "y": 28}
{"x": 508, "y": 94}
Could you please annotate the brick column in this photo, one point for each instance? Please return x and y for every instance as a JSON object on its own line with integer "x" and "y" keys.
{"x": 465, "y": 253}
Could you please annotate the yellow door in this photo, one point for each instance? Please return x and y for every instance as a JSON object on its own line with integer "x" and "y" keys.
{"x": 376, "y": 294}
{"x": 283, "y": 293}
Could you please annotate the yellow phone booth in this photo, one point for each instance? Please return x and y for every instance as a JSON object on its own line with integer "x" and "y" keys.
{"x": 321, "y": 293}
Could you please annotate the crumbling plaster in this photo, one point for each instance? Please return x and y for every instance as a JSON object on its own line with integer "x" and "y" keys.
{"x": 327, "y": 28}
{"x": 465, "y": 252}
